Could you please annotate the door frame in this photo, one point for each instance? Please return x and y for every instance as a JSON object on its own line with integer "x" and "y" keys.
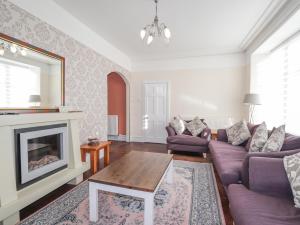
{"x": 163, "y": 139}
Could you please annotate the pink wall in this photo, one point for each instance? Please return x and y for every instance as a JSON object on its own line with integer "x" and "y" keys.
{"x": 116, "y": 88}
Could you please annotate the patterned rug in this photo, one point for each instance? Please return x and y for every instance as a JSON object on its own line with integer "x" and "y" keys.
{"x": 192, "y": 199}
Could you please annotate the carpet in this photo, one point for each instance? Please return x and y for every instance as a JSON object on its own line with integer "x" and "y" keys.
{"x": 192, "y": 199}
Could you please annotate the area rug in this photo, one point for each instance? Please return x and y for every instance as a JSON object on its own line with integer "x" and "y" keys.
{"x": 192, "y": 199}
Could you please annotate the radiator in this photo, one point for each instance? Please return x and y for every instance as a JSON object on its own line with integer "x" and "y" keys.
{"x": 113, "y": 125}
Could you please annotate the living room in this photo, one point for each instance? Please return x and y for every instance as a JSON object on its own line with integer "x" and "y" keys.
{"x": 149, "y": 112}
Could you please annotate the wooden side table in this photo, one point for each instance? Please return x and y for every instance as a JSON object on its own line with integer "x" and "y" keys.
{"x": 94, "y": 154}
{"x": 214, "y": 134}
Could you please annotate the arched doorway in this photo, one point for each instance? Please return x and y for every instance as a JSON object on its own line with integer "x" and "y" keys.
{"x": 118, "y": 107}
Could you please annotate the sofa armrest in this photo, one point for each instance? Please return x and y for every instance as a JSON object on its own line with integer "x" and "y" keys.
{"x": 245, "y": 167}
{"x": 222, "y": 135}
{"x": 268, "y": 176}
{"x": 170, "y": 131}
{"x": 206, "y": 134}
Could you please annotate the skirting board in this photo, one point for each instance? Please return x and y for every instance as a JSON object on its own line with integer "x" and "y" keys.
{"x": 150, "y": 140}
{"x": 117, "y": 137}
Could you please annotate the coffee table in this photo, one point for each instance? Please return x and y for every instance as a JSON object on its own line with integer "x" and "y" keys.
{"x": 137, "y": 174}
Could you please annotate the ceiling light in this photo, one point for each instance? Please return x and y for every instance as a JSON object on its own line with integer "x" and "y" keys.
{"x": 1, "y": 50}
{"x": 155, "y": 29}
{"x": 149, "y": 39}
{"x": 13, "y": 49}
{"x": 23, "y": 52}
{"x": 143, "y": 33}
{"x": 167, "y": 33}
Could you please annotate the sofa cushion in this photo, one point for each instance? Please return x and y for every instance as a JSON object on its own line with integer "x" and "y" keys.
{"x": 228, "y": 160}
{"x": 275, "y": 141}
{"x": 259, "y": 138}
{"x": 178, "y": 124}
{"x": 251, "y": 208}
{"x": 187, "y": 140}
{"x": 238, "y": 133}
{"x": 292, "y": 168}
{"x": 196, "y": 126}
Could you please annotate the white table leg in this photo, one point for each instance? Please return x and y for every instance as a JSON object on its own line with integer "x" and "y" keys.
{"x": 170, "y": 173}
{"x": 93, "y": 202}
{"x": 148, "y": 209}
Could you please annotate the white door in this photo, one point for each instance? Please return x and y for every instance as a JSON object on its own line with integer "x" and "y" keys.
{"x": 156, "y": 111}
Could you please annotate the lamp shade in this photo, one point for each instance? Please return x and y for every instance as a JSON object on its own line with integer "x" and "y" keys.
{"x": 35, "y": 98}
{"x": 252, "y": 99}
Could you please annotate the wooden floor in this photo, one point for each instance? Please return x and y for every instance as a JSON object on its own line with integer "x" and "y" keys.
{"x": 118, "y": 149}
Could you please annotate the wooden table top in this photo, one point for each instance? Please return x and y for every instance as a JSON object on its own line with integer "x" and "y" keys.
{"x": 136, "y": 170}
{"x": 101, "y": 144}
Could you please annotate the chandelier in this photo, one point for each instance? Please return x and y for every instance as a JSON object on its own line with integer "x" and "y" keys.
{"x": 150, "y": 31}
{"x": 13, "y": 48}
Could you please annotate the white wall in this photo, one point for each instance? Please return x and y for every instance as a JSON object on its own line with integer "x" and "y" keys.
{"x": 213, "y": 91}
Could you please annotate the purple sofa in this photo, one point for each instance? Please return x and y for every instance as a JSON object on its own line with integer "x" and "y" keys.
{"x": 268, "y": 200}
{"x": 188, "y": 143}
{"x": 232, "y": 162}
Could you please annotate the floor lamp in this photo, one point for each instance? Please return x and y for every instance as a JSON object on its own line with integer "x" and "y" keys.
{"x": 252, "y": 100}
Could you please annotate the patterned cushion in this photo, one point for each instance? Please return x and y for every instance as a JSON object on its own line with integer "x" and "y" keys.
{"x": 259, "y": 138}
{"x": 238, "y": 133}
{"x": 196, "y": 126}
{"x": 275, "y": 141}
{"x": 292, "y": 168}
{"x": 178, "y": 124}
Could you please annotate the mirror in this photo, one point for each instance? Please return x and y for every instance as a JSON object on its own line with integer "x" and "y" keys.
{"x": 29, "y": 77}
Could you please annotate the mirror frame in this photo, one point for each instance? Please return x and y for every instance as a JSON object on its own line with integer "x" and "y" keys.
{"x": 44, "y": 52}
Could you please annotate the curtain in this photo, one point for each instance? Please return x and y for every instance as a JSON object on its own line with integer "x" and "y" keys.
{"x": 278, "y": 82}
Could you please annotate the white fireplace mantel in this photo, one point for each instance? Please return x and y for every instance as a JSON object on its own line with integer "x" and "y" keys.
{"x": 12, "y": 200}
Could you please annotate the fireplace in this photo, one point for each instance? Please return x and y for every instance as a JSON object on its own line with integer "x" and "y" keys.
{"x": 40, "y": 152}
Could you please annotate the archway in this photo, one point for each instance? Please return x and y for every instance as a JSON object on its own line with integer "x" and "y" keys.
{"x": 118, "y": 107}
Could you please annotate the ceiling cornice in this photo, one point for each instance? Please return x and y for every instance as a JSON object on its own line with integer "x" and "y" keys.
{"x": 268, "y": 14}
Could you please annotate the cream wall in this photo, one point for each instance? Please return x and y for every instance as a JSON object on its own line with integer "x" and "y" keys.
{"x": 214, "y": 93}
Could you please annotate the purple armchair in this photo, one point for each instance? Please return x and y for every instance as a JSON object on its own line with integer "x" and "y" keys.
{"x": 188, "y": 143}
{"x": 268, "y": 200}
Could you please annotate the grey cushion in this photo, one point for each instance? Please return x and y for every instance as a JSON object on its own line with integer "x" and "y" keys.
{"x": 238, "y": 133}
{"x": 196, "y": 126}
{"x": 178, "y": 124}
{"x": 275, "y": 141}
{"x": 259, "y": 138}
{"x": 292, "y": 168}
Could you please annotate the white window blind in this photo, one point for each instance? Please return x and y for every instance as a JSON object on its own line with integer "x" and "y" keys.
{"x": 17, "y": 83}
{"x": 278, "y": 82}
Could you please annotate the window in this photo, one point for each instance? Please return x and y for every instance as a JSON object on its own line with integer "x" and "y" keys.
{"x": 278, "y": 81}
{"x": 17, "y": 82}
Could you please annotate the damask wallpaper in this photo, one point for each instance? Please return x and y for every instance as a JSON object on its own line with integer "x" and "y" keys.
{"x": 85, "y": 73}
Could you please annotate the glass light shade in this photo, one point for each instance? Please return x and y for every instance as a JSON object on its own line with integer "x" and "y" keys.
{"x": 143, "y": 33}
{"x": 13, "y": 48}
{"x": 1, "y": 50}
{"x": 150, "y": 39}
{"x": 23, "y": 52}
{"x": 167, "y": 33}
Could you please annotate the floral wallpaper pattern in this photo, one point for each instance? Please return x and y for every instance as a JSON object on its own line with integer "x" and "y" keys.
{"x": 85, "y": 70}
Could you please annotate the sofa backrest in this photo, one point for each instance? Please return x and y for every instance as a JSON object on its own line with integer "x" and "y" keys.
{"x": 268, "y": 176}
{"x": 291, "y": 142}
{"x": 245, "y": 166}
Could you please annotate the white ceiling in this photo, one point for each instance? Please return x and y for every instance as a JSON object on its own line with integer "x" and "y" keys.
{"x": 199, "y": 27}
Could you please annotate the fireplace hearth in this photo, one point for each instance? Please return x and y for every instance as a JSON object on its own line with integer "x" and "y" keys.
{"x": 40, "y": 152}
